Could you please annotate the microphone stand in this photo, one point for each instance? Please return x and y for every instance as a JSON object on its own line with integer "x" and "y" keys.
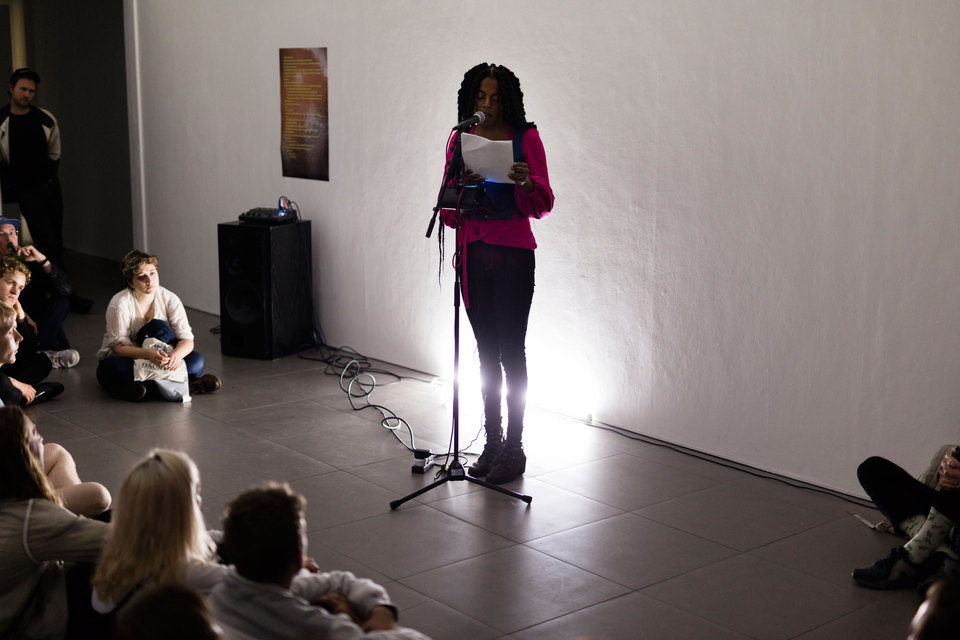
{"x": 455, "y": 471}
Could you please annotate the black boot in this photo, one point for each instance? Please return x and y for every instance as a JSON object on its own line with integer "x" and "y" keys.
{"x": 491, "y": 450}
{"x": 511, "y": 463}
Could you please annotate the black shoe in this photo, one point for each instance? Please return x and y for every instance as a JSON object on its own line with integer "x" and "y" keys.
{"x": 893, "y": 572}
{"x": 207, "y": 383}
{"x": 511, "y": 463}
{"x": 131, "y": 391}
{"x": 46, "y": 391}
{"x": 491, "y": 451}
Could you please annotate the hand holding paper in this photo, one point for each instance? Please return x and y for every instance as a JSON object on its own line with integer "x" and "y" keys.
{"x": 493, "y": 159}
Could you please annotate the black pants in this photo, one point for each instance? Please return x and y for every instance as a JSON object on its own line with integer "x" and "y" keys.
{"x": 42, "y": 206}
{"x": 900, "y": 496}
{"x": 500, "y": 290}
{"x": 31, "y": 366}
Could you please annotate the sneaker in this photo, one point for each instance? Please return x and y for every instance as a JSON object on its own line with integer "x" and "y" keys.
{"x": 46, "y": 391}
{"x": 63, "y": 359}
{"x": 207, "y": 383}
{"x": 893, "y": 572}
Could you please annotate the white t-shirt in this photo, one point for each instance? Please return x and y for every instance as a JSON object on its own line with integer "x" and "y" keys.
{"x": 124, "y": 319}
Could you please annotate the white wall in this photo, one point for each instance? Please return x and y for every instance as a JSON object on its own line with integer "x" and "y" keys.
{"x": 754, "y": 251}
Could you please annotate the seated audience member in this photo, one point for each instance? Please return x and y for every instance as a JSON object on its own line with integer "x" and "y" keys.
{"x": 9, "y": 336}
{"x": 82, "y": 498}
{"x": 938, "y": 617}
{"x": 21, "y": 382}
{"x": 923, "y": 511}
{"x": 145, "y": 309}
{"x": 157, "y": 534}
{"x": 14, "y": 278}
{"x": 37, "y": 535}
{"x": 48, "y": 300}
{"x": 167, "y": 612}
{"x": 267, "y": 593}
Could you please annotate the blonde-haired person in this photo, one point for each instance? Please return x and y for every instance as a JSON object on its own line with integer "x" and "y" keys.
{"x": 158, "y": 535}
{"x": 37, "y": 535}
{"x": 145, "y": 309}
{"x": 22, "y": 381}
{"x": 10, "y": 338}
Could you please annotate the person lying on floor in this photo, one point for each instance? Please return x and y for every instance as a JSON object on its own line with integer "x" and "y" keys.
{"x": 145, "y": 310}
{"x": 25, "y": 376}
{"x": 923, "y": 511}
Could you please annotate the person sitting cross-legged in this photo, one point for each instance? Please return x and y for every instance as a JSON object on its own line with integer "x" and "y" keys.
{"x": 144, "y": 310}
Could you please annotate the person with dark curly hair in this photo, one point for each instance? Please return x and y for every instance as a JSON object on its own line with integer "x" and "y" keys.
{"x": 498, "y": 259}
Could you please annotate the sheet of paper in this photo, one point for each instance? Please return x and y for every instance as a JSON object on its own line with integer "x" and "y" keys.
{"x": 490, "y": 158}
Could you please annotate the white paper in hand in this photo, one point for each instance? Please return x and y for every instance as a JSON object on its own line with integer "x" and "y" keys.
{"x": 490, "y": 158}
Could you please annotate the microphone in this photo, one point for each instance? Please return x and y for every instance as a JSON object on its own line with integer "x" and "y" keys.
{"x": 477, "y": 118}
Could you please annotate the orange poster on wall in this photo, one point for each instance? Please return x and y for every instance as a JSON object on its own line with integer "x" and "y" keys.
{"x": 304, "y": 126}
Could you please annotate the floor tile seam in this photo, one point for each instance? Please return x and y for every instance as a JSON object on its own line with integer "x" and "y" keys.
{"x": 766, "y": 500}
{"x": 389, "y": 511}
{"x": 802, "y": 530}
{"x": 579, "y": 495}
{"x": 568, "y": 613}
{"x": 127, "y": 449}
{"x": 372, "y": 570}
{"x": 89, "y": 434}
{"x": 336, "y": 466}
{"x": 574, "y": 528}
{"x": 701, "y": 567}
{"x": 512, "y": 545}
{"x": 428, "y": 599}
{"x": 226, "y": 363}
{"x": 689, "y": 533}
{"x": 217, "y": 414}
{"x": 679, "y": 467}
{"x": 675, "y": 606}
{"x": 797, "y": 503}
{"x": 837, "y": 619}
{"x": 821, "y": 525}
{"x": 572, "y": 563}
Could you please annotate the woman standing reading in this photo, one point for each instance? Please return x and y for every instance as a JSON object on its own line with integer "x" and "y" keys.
{"x": 498, "y": 253}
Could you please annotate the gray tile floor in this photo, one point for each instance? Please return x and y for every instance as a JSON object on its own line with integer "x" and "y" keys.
{"x": 624, "y": 539}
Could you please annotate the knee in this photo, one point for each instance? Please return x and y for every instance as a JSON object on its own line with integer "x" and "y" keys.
{"x": 100, "y": 498}
{"x": 54, "y": 454}
{"x": 86, "y": 499}
{"x": 195, "y": 363}
{"x": 869, "y": 469}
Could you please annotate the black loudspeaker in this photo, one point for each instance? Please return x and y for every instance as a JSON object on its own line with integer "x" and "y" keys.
{"x": 266, "y": 305}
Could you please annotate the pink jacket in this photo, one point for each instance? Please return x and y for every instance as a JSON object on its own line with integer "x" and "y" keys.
{"x": 513, "y": 232}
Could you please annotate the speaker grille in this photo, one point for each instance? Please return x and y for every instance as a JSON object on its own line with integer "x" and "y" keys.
{"x": 266, "y": 308}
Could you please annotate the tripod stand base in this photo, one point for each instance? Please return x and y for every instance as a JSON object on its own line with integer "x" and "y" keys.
{"x": 456, "y": 473}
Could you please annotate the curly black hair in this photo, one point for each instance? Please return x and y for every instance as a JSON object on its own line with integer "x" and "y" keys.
{"x": 508, "y": 86}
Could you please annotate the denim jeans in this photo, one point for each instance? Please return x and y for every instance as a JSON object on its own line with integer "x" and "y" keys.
{"x": 117, "y": 370}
